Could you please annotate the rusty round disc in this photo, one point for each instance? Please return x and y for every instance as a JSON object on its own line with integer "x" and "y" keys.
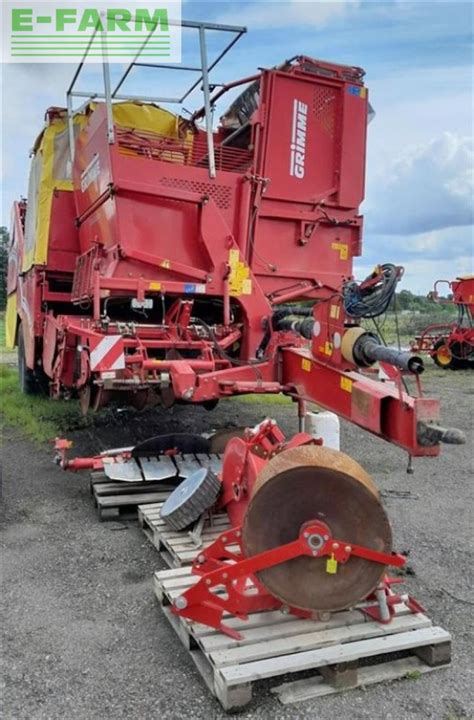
{"x": 316, "y": 483}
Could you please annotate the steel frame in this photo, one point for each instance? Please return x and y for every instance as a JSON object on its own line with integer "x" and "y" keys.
{"x": 220, "y": 566}
{"x": 109, "y": 95}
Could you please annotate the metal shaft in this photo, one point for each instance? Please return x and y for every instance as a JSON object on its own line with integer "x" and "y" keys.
{"x": 373, "y": 352}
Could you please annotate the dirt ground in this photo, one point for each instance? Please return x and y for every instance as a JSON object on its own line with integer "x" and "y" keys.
{"x": 84, "y": 638}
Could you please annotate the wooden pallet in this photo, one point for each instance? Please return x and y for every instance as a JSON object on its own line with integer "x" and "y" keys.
{"x": 275, "y": 644}
{"x": 120, "y": 500}
{"x": 177, "y": 548}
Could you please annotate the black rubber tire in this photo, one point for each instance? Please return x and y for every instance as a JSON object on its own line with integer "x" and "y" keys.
{"x": 456, "y": 361}
{"x": 28, "y": 383}
{"x": 196, "y": 494}
{"x": 443, "y": 365}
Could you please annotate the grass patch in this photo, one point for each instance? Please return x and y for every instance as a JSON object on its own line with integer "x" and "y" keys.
{"x": 263, "y": 399}
{"x": 38, "y": 417}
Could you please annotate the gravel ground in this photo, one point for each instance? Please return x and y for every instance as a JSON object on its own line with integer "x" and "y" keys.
{"x": 83, "y": 636}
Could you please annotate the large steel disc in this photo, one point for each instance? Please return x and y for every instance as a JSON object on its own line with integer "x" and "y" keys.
{"x": 316, "y": 483}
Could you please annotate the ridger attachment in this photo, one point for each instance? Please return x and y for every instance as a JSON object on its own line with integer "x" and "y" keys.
{"x": 313, "y": 536}
{"x": 231, "y": 587}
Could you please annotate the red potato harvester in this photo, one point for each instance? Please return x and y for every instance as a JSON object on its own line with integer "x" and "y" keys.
{"x": 157, "y": 259}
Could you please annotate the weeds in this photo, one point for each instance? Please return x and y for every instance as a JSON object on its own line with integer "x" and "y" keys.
{"x": 267, "y": 398}
{"x": 413, "y": 675}
{"x": 39, "y": 418}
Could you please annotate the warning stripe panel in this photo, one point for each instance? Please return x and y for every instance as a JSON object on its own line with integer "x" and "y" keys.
{"x": 107, "y": 354}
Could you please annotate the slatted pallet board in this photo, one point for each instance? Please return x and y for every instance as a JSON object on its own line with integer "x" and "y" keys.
{"x": 120, "y": 500}
{"x": 275, "y": 645}
{"x": 177, "y": 548}
{"x": 122, "y": 486}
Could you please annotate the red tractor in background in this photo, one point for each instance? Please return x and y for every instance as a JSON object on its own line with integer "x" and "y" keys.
{"x": 451, "y": 345}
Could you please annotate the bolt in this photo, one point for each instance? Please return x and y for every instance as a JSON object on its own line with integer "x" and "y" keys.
{"x": 335, "y": 546}
{"x": 238, "y": 533}
{"x": 201, "y": 558}
{"x": 315, "y": 552}
{"x": 181, "y": 602}
{"x": 348, "y": 548}
{"x": 208, "y": 582}
{"x": 306, "y": 534}
{"x": 224, "y": 539}
{"x": 224, "y": 576}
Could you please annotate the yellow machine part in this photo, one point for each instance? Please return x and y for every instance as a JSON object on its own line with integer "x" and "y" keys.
{"x": 147, "y": 118}
{"x": 11, "y": 319}
{"x": 50, "y": 171}
{"x": 50, "y": 166}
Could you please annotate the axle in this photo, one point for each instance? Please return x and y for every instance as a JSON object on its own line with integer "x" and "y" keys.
{"x": 367, "y": 350}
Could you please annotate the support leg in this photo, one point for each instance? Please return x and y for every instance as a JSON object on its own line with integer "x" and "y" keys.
{"x": 301, "y": 414}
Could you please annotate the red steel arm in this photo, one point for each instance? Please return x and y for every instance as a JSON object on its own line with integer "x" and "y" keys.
{"x": 380, "y": 408}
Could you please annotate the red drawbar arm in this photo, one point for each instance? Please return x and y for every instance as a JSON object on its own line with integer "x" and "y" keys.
{"x": 375, "y": 406}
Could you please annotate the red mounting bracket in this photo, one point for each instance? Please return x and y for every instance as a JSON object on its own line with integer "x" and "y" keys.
{"x": 229, "y": 584}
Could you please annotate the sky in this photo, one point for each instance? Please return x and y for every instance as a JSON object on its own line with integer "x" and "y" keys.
{"x": 418, "y": 58}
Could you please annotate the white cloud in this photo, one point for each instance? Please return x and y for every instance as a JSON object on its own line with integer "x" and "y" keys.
{"x": 426, "y": 257}
{"x": 429, "y": 187}
{"x": 290, "y": 13}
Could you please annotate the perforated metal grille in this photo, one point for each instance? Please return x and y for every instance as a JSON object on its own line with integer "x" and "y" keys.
{"x": 221, "y": 194}
{"x": 324, "y": 108}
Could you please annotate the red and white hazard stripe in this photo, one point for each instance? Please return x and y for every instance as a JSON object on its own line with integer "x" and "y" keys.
{"x": 107, "y": 353}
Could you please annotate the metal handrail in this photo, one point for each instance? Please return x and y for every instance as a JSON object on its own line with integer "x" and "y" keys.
{"x": 109, "y": 95}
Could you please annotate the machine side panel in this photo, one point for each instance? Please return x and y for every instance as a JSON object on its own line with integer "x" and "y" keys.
{"x": 301, "y": 152}
{"x": 142, "y": 204}
{"x": 353, "y": 145}
{"x": 307, "y": 228}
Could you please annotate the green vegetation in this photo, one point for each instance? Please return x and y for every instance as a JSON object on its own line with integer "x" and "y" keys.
{"x": 413, "y": 675}
{"x": 263, "y": 398}
{"x": 43, "y": 419}
{"x": 39, "y": 418}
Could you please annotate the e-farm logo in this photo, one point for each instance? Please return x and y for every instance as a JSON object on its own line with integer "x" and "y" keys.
{"x": 55, "y": 31}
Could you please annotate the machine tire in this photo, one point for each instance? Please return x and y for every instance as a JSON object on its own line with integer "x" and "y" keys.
{"x": 191, "y": 499}
{"x": 442, "y": 355}
{"x": 28, "y": 383}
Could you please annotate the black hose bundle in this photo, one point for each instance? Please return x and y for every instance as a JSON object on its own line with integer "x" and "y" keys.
{"x": 373, "y": 300}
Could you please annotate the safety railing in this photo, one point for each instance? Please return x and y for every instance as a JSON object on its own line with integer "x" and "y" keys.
{"x": 109, "y": 95}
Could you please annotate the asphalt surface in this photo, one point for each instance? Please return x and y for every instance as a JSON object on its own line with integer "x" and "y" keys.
{"x": 83, "y": 636}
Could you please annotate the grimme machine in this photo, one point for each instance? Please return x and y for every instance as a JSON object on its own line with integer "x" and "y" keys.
{"x": 158, "y": 257}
